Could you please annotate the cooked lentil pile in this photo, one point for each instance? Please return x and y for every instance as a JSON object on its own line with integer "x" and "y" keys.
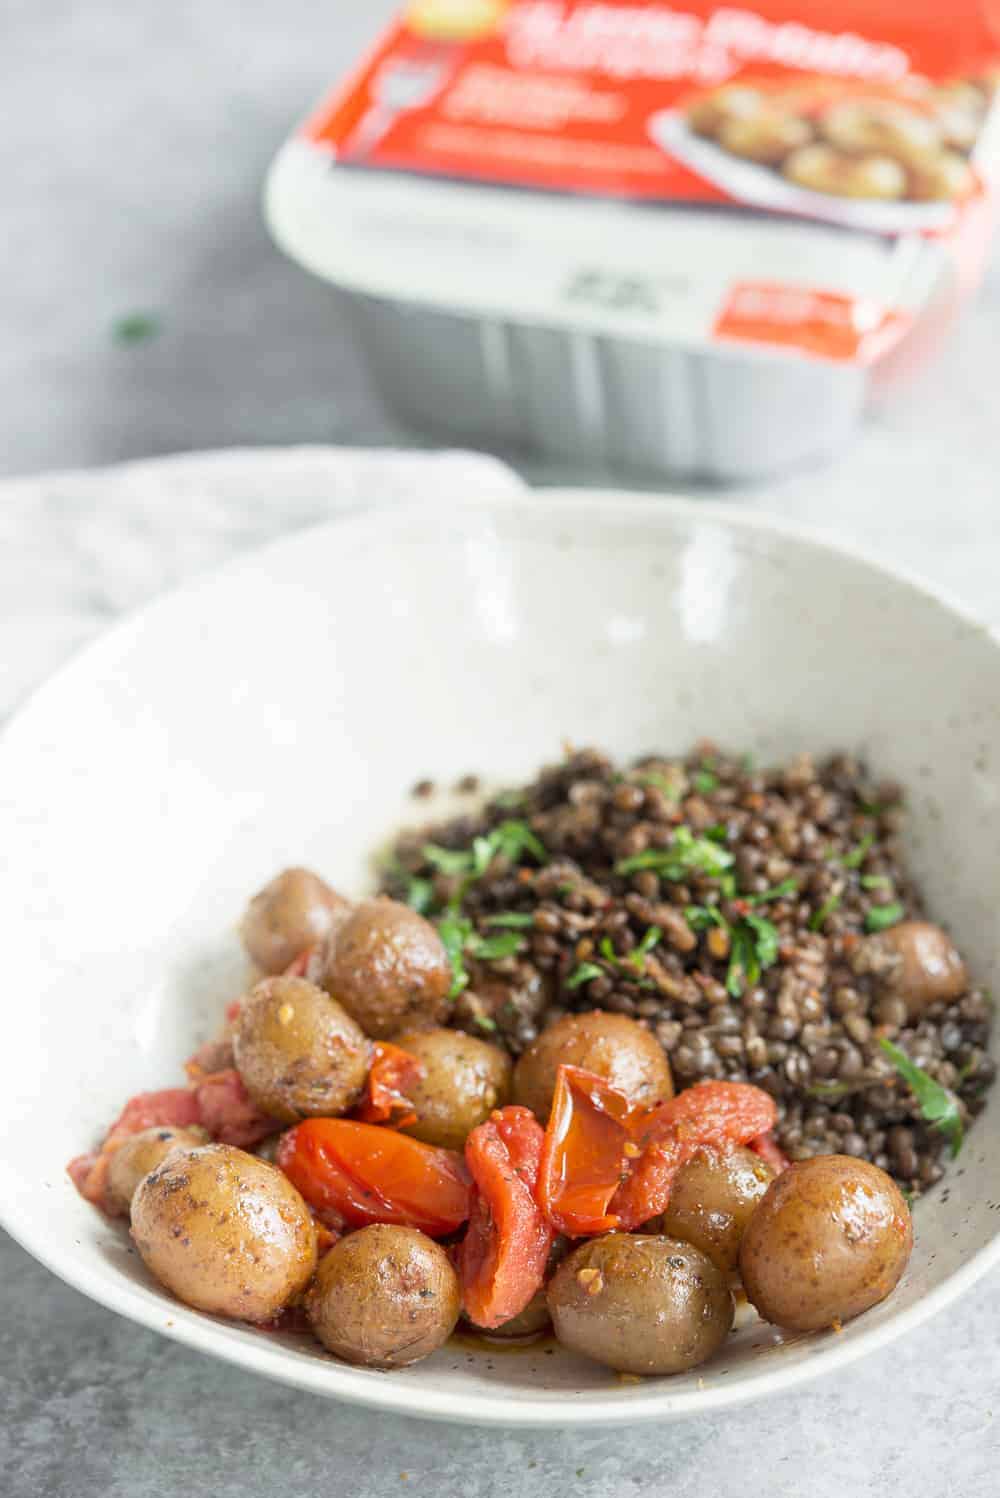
{"x": 745, "y": 915}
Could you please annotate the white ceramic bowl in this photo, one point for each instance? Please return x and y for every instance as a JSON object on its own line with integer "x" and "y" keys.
{"x": 279, "y": 711}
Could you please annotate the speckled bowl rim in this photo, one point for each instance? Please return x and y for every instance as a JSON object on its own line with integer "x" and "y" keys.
{"x": 653, "y": 1400}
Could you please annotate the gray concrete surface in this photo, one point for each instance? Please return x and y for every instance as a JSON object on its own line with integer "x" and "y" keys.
{"x": 133, "y": 143}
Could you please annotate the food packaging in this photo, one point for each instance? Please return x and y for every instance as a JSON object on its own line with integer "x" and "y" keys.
{"x": 634, "y": 236}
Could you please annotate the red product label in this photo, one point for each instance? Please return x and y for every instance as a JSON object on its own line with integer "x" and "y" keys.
{"x": 567, "y": 95}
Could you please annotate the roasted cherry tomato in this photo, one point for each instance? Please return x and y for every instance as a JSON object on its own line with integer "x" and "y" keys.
{"x": 385, "y": 1101}
{"x": 504, "y": 1254}
{"x": 585, "y": 1154}
{"x": 770, "y": 1151}
{"x": 174, "y": 1106}
{"x": 709, "y": 1113}
{"x": 362, "y": 1173}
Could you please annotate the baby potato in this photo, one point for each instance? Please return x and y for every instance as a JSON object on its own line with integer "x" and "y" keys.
{"x": 881, "y": 127}
{"x": 736, "y": 102}
{"x": 712, "y": 1200}
{"x": 387, "y": 966}
{"x": 464, "y": 1080}
{"x": 295, "y": 911}
{"x": 830, "y": 1239}
{"x": 300, "y": 1054}
{"x": 384, "y": 1297}
{"x": 640, "y": 1303}
{"x": 767, "y": 137}
{"x": 610, "y": 1045}
{"x": 225, "y": 1232}
{"x": 137, "y": 1156}
{"x": 939, "y": 176}
{"x": 822, "y": 168}
{"x": 917, "y": 962}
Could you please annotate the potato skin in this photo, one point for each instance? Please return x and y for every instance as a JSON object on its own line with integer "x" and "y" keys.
{"x": 225, "y": 1232}
{"x": 919, "y": 962}
{"x": 823, "y": 168}
{"x": 295, "y": 911}
{"x": 640, "y": 1303}
{"x": 766, "y": 138}
{"x": 464, "y": 1080}
{"x": 300, "y": 1054}
{"x": 830, "y": 1239}
{"x": 610, "y": 1045}
{"x": 388, "y": 968}
{"x": 384, "y": 1297}
{"x": 713, "y": 1198}
{"x": 143, "y": 1152}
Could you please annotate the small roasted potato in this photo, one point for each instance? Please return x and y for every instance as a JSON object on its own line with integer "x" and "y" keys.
{"x": 880, "y": 127}
{"x": 464, "y": 1080}
{"x": 300, "y": 1054}
{"x": 609, "y": 1045}
{"x": 767, "y": 137}
{"x": 917, "y": 962}
{"x": 136, "y": 1156}
{"x": 823, "y": 168}
{"x": 224, "y": 1232}
{"x": 736, "y": 102}
{"x": 387, "y": 966}
{"x": 830, "y": 1239}
{"x": 384, "y": 1297}
{"x": 713, "y": 1198}
{"x": 640, "y": 1303}
{"x": 295, "y": 911}
{"x": 939, "y": 176}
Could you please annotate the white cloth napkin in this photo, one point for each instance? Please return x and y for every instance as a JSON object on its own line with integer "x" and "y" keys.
{"x": 79, "y": 548}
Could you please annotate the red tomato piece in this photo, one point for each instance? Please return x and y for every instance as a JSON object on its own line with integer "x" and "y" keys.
{"x": 229, "y": 1113}
{"x": 710, "y": 1113}
{"x": 365, "y": 1174}
{"x": 770, "y": 1151}
{"x": 503, "y": 1256}
{"x": 392, "y": 1072}
{"x": 584, "y": 1156}
{"x": 176, "y": 1106}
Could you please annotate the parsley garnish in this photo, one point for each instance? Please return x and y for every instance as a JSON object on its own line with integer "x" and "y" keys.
{"x": 686, "y": 855}
{"x": 856, "y": 857}
{"x": 515, "y": 919}
{"x": 700, "y": 917}
{"x": 938, "y": 1106}
{"x": 776, "y": 892}
{"x": 492, "y": 948}
{"x": 880, "y": 917}
{"x": 512, "y": 839}
{"x": 637, "y": 957}
{"x": 583, "y": 974}
{"x": 136, "y": 327}
{"x": 419, "y": 894}
{"x": 670, "y": 786}
{"x": 454, "y": 931}
{"x": 753, "y": 947}
{"x": 818, "y": 918}
{"x": 448, "y": 860}
{"x": 705, "y": 782}
{"x": 875, "y": 881}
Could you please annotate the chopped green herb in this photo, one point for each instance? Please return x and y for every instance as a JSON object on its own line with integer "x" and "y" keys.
{"x": 856, "y": 857}
{"x": 727, "y": 886}
{"x": 718, "y": 832}
{"x": 705, "y": 782}
{"x": 607, "y": 950}
{"x": 746, "y": 763}
{"x": 753, "y": 946}
{"x": 565, "y": 889}
{"x": 136, "y": 327}
{"x": 777, "y": 892}
{"x": 700, "y": 917}
{"x": 818, "y": 918}
{"x": 454, "y": 931}
{"x": 637, "y": 957}
{"x": 513, "y": 839}
{"x": 938, "y": 1106}
{"x": 686, "y": 855}
{"x": 449, "y": 861}
{"x": 485, "y": 1023}
{"x": 491, "y": 948}
{"x": 583, "y": 974}
{"x": 420, "y": 895}
{"x": 875, "y": 881}
{"x": 670, "y": 786}
{"x": 871, "y": 808}
{"x": 881, "y": 917}
{"x": 517, "y": 920}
